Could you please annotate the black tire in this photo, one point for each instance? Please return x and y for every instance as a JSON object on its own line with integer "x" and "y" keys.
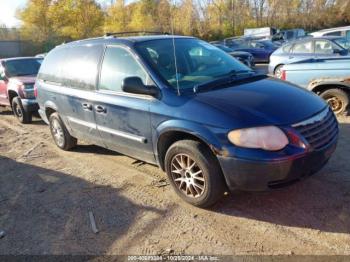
{"x": 278, "y": 72}
{"x": 337, "y": 99}
{"x": 17, "y": 108}
{"x": 60, "y": 133}
{"x": 213, "y": 183}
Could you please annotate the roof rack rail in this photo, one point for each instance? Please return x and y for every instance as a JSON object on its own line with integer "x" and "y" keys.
{"x": 136, "y": 33}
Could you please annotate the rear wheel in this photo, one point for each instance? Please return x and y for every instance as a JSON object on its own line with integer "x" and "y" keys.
{"x": 337, "y": 99}
{"x": 194, "y": 173}
{"x": 19, "y": 112}
{"x": 60, "y": 133}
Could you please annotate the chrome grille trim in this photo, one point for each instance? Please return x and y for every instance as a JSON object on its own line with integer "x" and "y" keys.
{"x": 319, "y": 131}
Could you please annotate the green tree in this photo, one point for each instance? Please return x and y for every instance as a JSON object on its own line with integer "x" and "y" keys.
{"x": 36, "y": 23}
{"x": 76, "y": 19}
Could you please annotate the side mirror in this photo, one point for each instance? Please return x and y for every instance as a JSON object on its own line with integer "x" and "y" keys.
{"x": 134, "y": 85}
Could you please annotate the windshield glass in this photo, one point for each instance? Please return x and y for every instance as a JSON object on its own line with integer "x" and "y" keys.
{"x": 22, "y": 67}
{"x": 197, "y": 61}
{"x": 343, "y": 42}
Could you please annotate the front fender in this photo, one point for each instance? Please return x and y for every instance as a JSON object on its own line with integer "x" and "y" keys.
{"x": 202, "y": 132}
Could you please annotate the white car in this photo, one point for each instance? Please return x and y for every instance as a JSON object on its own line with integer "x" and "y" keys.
{"x": 337, "y": 31}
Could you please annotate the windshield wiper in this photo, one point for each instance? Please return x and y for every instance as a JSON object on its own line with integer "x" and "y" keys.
{"x": 227, "y": 79}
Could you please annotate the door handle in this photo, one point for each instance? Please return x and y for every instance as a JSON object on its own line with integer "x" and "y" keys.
{"x": 100, "y": 109}
{"x": 86, "y": 106}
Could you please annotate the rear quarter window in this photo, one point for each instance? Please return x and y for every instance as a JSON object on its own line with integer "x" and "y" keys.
{"x": 74, "y": 67}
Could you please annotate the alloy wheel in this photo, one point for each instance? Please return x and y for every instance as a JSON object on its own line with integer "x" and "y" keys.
{"x": 57, "y": 132}
{"x": 187, "y": 176}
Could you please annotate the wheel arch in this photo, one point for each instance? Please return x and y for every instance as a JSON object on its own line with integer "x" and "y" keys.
{"x": 174, "y": 130}
{"x": 320, "y": 87}
{"x": 11, "y": 95}
{"x": 50, "y": 108}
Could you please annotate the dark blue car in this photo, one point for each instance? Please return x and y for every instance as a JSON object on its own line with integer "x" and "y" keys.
{"x": 260, "y": 49}
{"x": 206, "y": 119}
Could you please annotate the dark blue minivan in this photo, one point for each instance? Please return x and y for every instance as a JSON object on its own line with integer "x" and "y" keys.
{"x": 206, "y": 119}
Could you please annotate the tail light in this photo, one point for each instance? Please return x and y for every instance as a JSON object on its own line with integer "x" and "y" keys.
{"x": 35, "y": 91}
{"x": 284, "y": 75}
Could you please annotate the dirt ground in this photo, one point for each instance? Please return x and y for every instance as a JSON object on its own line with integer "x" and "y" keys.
{"x": 46, "y": 195}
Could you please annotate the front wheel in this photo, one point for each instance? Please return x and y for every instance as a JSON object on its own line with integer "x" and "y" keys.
{"x": 194, "y": 173}
{"x": 278, "y": 71}
{"x": 60, "y": 133}
{"x": 22, "y": 115}
{"x": 337, "y": 99}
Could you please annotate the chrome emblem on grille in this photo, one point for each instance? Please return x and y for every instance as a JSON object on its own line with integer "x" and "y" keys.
{"x": 312, "y": 120}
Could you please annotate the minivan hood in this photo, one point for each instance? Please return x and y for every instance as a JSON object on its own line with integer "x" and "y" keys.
{"x": 263, "y": 102}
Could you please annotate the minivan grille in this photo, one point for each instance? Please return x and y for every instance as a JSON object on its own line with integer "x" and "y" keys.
{"x": 320, "y": 130}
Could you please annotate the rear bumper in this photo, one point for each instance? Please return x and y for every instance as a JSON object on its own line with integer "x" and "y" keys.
{"x": 251, "y": 175}
{"x": 30, "y": 105}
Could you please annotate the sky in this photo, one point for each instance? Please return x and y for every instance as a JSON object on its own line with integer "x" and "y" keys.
{"x": 8, "y": 11}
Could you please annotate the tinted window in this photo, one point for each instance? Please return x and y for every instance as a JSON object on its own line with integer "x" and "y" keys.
{"x": 348, "y": 35}
{"x": 22, "y": 67}
{"x": 51, "y": 67}
{"x": 74, "y": 67}
{"x": 290, "y": 35}
{"x": 337, "y": 33}
{"x": 118, "y": 64}
{"x": 80, "y": 70}
{"x": 324, "y": 47}
{"x": 302, "y": 48}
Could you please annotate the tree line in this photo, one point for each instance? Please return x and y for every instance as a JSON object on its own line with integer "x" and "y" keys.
{"x": 54, "y": 21}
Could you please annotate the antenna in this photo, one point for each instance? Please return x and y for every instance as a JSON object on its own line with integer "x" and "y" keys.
{"x": 174, "y": 48}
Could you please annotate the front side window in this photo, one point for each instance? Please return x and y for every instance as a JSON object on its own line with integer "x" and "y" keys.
{"x": 287, "y": 48}
{"x": 117, "y": 65}
{"x": 22, "y": 67}
{"x": 194, "y": 62}
{"x": 325, "y": 47}
{"x": 302, "y": 48}
{"x": 343, "y": 42}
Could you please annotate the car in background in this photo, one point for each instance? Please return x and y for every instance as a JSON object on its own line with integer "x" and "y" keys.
{"x": 244, "y": 57}
{"x": 307, "y": 48}
{"x": 328, "y": 78}
{"x": 41, "y": 55}
{"x": 262, "y": 32}
{"x": 188, "y": 107}
{"x": 17, "y": 78}
{"x": 260, "y": 49}
{"x": 337, "y": 31}
{"x": 288, "y": 35}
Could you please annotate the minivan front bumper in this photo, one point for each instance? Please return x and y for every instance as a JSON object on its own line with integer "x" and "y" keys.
{"x": 253, "y": 175}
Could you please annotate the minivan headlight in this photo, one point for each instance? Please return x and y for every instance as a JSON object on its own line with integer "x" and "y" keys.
{"x": 267, "y": 137}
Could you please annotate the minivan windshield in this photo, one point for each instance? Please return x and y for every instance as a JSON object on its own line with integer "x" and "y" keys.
{"x": 197, "y": 62}
{"x": 23, "y": 67}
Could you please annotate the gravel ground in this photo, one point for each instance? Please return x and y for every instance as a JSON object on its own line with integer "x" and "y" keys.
{"x": 46, "y": 195}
